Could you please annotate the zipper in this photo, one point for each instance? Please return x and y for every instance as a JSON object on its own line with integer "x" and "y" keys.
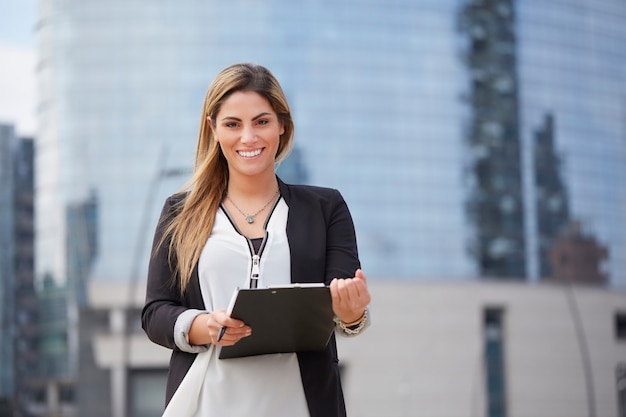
{"x": 256, "y": 271}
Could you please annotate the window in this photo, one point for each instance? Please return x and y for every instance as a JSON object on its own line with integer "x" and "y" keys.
{"x": 493, "y": 335}
{"x": 620, "y": 382}
{"x": 620, "y": 326}
{"x": 147, "y": 392}
{"x": 66, "y": 394}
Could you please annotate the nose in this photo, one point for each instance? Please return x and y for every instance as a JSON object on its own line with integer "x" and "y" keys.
{"x": 248, "y": 135}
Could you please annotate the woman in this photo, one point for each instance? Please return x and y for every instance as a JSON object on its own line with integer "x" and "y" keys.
{"x": 237, "y": 210}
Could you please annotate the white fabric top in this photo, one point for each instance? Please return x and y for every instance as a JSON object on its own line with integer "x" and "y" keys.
{"x": 266, "y": 385}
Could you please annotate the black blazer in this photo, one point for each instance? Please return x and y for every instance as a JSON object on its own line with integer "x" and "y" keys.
{"x": 323, "y": 246}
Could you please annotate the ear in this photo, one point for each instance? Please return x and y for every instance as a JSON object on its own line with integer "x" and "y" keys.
{"x": 282, "y": 128}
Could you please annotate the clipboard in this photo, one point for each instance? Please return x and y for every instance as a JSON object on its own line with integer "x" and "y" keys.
{"x": 284, "y": 319}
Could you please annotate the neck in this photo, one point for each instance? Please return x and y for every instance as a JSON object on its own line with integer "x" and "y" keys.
{"x": 252, "y": 187}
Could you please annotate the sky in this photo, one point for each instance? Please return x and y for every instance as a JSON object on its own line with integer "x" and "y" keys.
{"x": 17, "y": 64}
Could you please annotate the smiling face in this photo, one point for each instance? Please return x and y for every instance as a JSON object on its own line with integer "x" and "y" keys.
{"x": 248, "y": 131}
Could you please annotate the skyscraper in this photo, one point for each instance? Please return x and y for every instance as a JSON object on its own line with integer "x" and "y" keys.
{"x": 494, "y": 175}
{"x": 8, "y": 144}
{"x": 19, "y": 309}
{"x": 145, "y": 82}
{"x": 358, "y": 79}
{"x": 571, "y": 68}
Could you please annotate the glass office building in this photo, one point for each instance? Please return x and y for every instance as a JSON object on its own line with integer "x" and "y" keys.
{"x": 8, "y": 147}
{"x": 573, "y": 75}
{"x": 18, "y": 303}
{"x": 375, "y": 97}
{"x": 425, "y": 115}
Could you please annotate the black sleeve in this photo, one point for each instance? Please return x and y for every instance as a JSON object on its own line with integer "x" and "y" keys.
{"x": 342, "y": 258}
{"x": 163, "y": 300}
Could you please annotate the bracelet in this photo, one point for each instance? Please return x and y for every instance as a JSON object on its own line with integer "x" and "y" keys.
{"x": 354, "y": 327}
{"x": 355, "y": 322}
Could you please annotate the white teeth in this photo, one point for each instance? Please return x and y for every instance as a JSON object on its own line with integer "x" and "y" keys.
{"x": 250, "y": 154}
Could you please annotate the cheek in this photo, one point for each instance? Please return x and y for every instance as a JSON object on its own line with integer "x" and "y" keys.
{"x": 220, "y": 150}
{"x": 279, "y": 147}
{"x": 223, "y": 139}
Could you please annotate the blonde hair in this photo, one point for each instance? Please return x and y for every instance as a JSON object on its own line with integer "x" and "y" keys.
{"x": 189, "y": 230}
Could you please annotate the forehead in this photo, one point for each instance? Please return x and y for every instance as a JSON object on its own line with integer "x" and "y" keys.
{"x": 243, "y": 103}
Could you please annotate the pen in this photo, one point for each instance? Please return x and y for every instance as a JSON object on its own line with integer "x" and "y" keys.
{"x": 221, "y": 333}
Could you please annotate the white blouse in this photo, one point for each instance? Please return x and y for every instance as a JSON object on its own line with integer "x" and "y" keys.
{"x": 266, "y": 385}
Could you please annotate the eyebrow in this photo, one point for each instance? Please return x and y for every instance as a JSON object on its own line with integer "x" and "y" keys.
{"x": 253, "y": 119}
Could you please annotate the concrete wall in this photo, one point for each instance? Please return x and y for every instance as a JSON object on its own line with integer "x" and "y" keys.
{"x": 423, "y": 353}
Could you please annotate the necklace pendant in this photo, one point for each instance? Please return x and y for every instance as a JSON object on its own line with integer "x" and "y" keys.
{"x": 250, "y": 219}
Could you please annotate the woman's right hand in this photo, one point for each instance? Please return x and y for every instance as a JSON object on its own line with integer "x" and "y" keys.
{"x": 206, "y": 327}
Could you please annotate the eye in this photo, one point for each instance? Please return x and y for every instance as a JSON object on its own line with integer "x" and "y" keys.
{"x": 263, "y": 122}
{"x": 230, "y": 124}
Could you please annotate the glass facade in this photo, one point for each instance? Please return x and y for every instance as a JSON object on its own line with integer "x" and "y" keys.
{"x": 122, "y": 98}
{"x": 8, "y": 148}
{"x": 26, "y": 302}
{"x": 18, "y": 303}
{"x": 573, "y": 72}
{"x": 493, "y": 174}
{"x": 426, "y": 116}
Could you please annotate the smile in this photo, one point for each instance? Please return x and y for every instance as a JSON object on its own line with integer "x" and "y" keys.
{"x": 250, "y": 154}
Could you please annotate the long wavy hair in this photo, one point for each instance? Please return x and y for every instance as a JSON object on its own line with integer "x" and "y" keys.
{"x": 190, "y": 228}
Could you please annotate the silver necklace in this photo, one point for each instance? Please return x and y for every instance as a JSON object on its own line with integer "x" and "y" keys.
{"x": 250, "y": 217}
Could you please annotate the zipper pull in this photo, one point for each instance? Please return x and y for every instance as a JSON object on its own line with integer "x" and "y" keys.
{"x": 256, "y": 271}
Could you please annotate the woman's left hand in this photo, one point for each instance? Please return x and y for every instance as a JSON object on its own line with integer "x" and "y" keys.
{"x": 350, "y": 297}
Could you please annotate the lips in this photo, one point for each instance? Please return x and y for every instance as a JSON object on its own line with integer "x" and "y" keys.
{"x": 250, "y": 154}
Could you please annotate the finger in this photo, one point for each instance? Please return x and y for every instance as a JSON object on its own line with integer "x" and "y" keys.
{"x": 360, "y": 275}
{"x": 237, "y": 333}
{"x": 234, "y": 323}
{"x": 343, "y": 292}
{"x": 350, "y": 298}
{"x": 351, "y": 292}
{"x": 364, "y": 297}
{"x": 358, "y": 296}
{"x": 358, "y": 287}
{"x": 219, "y": 318}
{"x": 240, "y": 331}
{"x": 361, "y": 282}
{"x": 233, "y": 334}
{"x": 361, "y": 288}
{"x": 340, "y": 297}
{"x": 334, "y": 291}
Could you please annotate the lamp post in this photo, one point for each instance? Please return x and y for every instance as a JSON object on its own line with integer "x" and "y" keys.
{"x": 120, "y": 374}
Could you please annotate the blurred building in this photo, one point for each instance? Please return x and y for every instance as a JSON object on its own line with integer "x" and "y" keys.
{"x": 577, "y": 258}
{"x": 494, "y": 174}
{"x": 488, "y": 349}
{"x": 552, "y": 205}
{"x": 477, "y": 348}
{"x": 465, "y": 135}
{"x": 55, "y": 391}
{"x": 18, "y": 302}
{"x": 8, "y": 143}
